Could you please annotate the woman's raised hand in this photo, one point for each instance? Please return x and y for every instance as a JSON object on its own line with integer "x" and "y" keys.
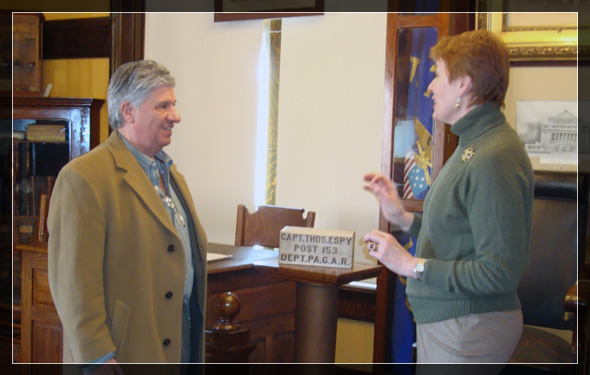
{"x": 391, "y": 206}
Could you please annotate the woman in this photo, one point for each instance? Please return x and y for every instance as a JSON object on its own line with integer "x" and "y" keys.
{"x": 473, "y": 236}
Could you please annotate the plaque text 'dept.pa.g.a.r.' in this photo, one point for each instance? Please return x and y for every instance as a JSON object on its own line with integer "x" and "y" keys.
{"x": 316, "y": 247}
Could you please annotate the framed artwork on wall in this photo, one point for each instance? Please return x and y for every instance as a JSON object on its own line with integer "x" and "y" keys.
{"x": 549, "y": 133}
{"x": 533, "y": 36}
{"x": 235, "y": 10}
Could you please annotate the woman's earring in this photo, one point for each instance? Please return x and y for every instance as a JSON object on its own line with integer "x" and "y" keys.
{"x": 458, "y": 102}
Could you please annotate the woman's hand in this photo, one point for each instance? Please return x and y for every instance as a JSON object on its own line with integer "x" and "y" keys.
{"x": 388, "y": 251}
{"x": 391, "y": 206}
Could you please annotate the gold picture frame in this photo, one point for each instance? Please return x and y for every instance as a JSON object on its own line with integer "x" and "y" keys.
{"x": 540, "y": 39}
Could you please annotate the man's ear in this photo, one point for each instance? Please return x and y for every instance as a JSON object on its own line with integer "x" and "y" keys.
{"x": 128, "y": 112}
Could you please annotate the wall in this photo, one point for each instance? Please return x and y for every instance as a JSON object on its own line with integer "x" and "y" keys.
{"x": 215, "y": 67}
{"x": 329, "y": 63}
{"x": 330, "y": 119}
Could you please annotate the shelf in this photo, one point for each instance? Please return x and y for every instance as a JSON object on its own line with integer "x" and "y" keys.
{"x": 27, "y": 53}
{"x": 33, "y": 172}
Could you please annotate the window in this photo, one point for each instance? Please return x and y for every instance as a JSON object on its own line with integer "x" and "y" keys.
{"x": 268, "y": 114}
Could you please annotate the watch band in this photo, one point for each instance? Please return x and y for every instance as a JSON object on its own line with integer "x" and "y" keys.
{"x": 419, "y": 269}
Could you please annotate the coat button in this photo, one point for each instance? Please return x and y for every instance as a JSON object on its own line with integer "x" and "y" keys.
{"x": 170, "y": 248}
{"x": 166, "y": 342}
{"x": 168, "y": 294}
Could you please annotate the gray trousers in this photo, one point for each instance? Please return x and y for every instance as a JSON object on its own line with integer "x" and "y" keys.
{"x": 474, "y": 338}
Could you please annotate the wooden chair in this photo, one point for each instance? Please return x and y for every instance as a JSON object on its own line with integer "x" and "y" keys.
{"x": 263, "y": 227}
{"x": 548, "y": 290}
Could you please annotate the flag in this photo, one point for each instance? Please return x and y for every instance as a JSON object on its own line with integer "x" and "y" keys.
{"x": 416, "y": 183}
{"x": 409, "y": 165}
{"x": 403, "y": 331}
{"x": 417, "y": 176}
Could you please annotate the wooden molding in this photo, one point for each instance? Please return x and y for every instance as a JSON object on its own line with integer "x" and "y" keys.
{"x": 128, "y": 38}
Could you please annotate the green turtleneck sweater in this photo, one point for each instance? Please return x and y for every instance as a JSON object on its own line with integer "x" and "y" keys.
{"x": 476, "y": 225}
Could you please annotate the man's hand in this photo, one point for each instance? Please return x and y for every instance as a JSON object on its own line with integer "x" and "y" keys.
{"x": 110, "y": 367}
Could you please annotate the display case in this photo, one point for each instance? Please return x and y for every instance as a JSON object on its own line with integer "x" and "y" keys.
{"x": 27, "y": 36}
{"x": 47, "y": 133}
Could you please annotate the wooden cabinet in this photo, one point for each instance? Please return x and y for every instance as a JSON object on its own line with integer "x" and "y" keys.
{"x": 47, "y": 133}
{"x": 41, "y": 329}
{"x": 267, "y": 304}
{"x": 28, "y": 53}
{"x": 39, "y": 153}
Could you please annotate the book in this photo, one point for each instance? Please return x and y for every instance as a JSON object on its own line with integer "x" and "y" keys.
{"x": 46, "y": 133}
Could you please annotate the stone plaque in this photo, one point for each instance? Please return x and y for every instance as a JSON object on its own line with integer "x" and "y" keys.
{"x": 316, "y": 247}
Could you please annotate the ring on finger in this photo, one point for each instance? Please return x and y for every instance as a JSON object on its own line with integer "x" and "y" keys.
{"x": 372, "y": 246}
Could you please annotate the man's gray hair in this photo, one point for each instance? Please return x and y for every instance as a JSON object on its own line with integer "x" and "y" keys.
{"x": 133, "y": 82}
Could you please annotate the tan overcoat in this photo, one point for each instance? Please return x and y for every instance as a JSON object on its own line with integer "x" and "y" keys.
{"x": 116, "y": 264}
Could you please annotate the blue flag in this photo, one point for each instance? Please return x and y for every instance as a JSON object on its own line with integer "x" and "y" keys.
{"x": 417, "y": 176}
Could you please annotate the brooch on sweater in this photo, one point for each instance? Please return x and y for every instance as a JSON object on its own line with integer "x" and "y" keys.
{"x": 467, "y": 154}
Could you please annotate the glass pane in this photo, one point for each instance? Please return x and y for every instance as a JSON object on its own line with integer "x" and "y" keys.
{"x": 412, "y": 149}
{"x": 41, "y": 149}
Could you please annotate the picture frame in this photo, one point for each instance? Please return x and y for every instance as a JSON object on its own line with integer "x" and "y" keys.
{"x": 548, "y": 130}
{"x": 237, "y": 10}
{"x": 532, "y": 36}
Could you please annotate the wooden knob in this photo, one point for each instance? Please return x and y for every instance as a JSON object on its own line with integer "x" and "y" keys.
{"x": 227, "y": 307}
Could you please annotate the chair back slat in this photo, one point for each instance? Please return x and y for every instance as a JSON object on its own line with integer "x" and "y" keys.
{"x": 263, "y": 227}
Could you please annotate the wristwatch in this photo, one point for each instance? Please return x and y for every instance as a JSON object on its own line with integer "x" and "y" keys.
{"x": 419, "y": 269}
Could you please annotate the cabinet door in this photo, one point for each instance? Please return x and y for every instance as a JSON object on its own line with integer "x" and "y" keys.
{"x": 414, "y": 151}
{"x": 267, "y": 311}
{"x": 28, "y": 53}
{"x": 41, "y": 328}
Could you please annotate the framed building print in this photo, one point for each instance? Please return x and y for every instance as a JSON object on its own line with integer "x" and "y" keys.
{"x": 549, "y": 133}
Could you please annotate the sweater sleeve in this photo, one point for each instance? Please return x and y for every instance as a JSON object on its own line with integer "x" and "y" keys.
{"x": 414, "y": 230}
{"x": 77, "y": 225}
{"x": 498, "y": 204}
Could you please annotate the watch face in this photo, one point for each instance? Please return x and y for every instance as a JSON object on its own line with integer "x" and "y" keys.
{"x": 420, "y": 267}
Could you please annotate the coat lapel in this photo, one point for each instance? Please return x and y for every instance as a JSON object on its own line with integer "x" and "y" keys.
{"x": 139, "y": 182}
{"x": 190, "y": 205}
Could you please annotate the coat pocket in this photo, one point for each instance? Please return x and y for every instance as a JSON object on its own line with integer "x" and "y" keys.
{"x": 119, "y": 325}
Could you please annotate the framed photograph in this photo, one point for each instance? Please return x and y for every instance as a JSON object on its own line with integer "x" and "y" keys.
{"x": 549, "y": 133}
{"x": 551, "y": 35}
{"x": 235, "y": 10}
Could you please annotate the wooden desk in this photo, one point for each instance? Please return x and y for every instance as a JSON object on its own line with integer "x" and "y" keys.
{"x": 268, "y": 300}
{"x": 316, "y": 314}
{"x": 268, "y": 303}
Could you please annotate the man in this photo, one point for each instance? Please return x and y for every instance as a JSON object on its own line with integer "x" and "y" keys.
{"x": 127, "y": 253}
